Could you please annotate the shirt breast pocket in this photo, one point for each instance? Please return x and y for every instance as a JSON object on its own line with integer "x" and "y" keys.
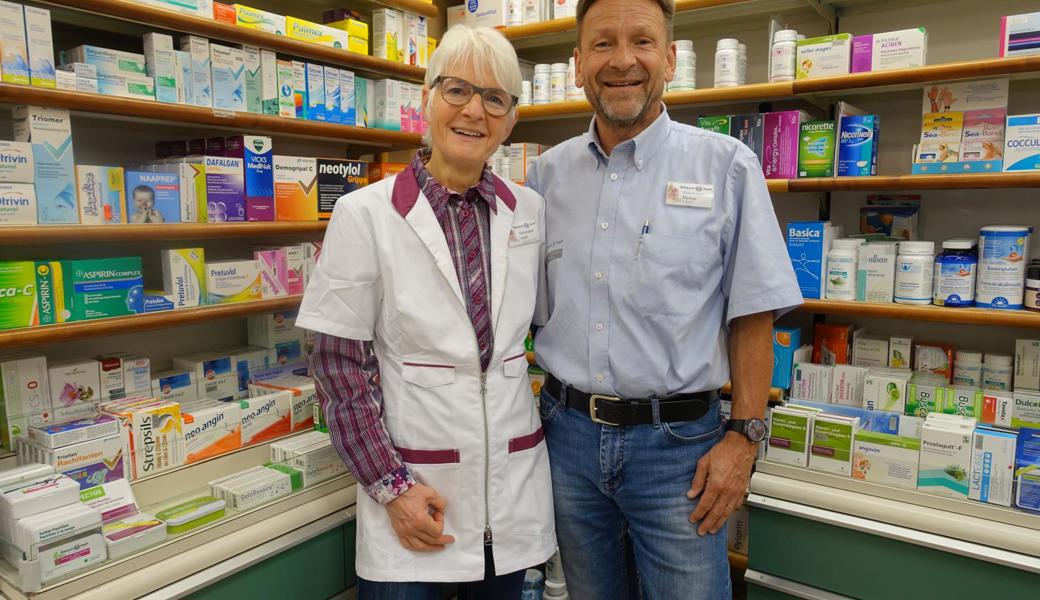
{"x": 668, "y": 271}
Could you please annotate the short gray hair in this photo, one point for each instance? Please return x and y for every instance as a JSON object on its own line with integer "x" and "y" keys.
{"x": 483, "y": 48}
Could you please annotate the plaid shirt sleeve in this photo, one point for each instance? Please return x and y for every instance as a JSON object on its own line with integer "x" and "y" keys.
{"x": 347, "y": 376}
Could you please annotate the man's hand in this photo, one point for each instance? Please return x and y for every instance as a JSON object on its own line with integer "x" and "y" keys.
{"x": 417, "y": 517}
{"x": 721, "y": 481}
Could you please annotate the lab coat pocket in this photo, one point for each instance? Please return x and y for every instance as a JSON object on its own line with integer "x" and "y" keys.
{"x": 444, "y": 478}
{"x": 515, "y": 366}
{"x": 427, "y": 375}
{"x": 665, "y": 271}
{"x": 532, "y": 505}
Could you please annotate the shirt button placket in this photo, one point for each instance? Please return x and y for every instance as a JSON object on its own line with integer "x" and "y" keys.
{"x": 600, "y": 302}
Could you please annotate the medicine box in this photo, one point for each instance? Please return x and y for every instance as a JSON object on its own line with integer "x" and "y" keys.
{"x": 270, "y": 329}
{"x": 905, "y": 49}
{"x": 113, "y": 500}
{"x": 816, "y": 148}
{"x": 304, "y": 393}
{"x": 1022, "y": 143}
{"x": 749, "y": 130}
{"x": 963, "y": 401}
{"x": 13, "y": 45}
{"x": 90, "y": 462}
{"x": 940, "y": 138}
{"x": 261, "y": 20}
{"x": 268, "y": 82}
{"x": 718, "y": 124}
{"x": 824, "y": 56}
{"x": 331, "y": 76}
{"x": 858, "y": 145}
{"x": 253, "y": 79}
{"x": 73, "y": 432}
{"x": 35, "y": 496}
{"x": 299, "y": 73}
{"x": 1025, "y": 411}
{"x": 876, "y": 273}
{"x": 781, "y": 132}
{"x": 225, "y": 189}
{"x": 870, "y": 352}
{"x": 1027, "y": 470}
{"x": 258, "y": 160}
{"x": 18, "y": 284}
{"x": 49, "y": 130}
{"x": 156, "y": 439}
{"x": 785, "y": 341}
{"x": 176, "y": 386}
{"x": 286, "y": 89}
{"x": 274, "y": 272}
{"x": 314, "y": 107}
{"x": 17, "y": 164}
{"x": 1018, "y": 35}
{"x": 812, "y": 382}
{"x": 201, "y": 76}
{"x": 100, "y": 288}
{"x": 389, "y": 99}
{"x": 153, "y": 197}
{"x": 1027, "y": 364}
{"x": 18, "y": 204}
{"x": 228, "y": 68}
{"x": 885, "y": 458}
{"x": 315, "y": 33}
{"x": 295, "y": 188}
{"x": 26, "y": 397}
{"x": 831, "y": 343}
{"x": 126, "y": 85}
{"x": 247, "y": 360}
{"x": 107, "y": 61}
{"x": 900, "y": 349}
{"x": 831, "y": 447}
{"x": 983, "y": 137}
{"x": 885, "y": 389}
{"x": 789, "y": 433}
{"x": 935, "y": 359}
{"x": 997, "y": 408}
{"x": 64, "y": 80}
{"x": 102, "y": 195}
{"x": 386, "y": 33}
{"x": 14, "y": 477}
{"x": 40, "y": 44}
{"x": 232, "y": 281}
{"x": 132, "y": 534}
{"x": 75, "y": 388}
{"x": 992, "y": 466}
{"x": 184, "y": 276}
{"x": 847, "y": 385}
{"x": 945, "y": 462}
{"x": 211, "y": 429}
{"x": 34, "y": 536}
{"x": 124, "y": 375}
{"x": 161, "y": 64}
{"x": 808, "y": 243}
{"x": 294, "y": 263}
{"x": 317, "y": 462}
{"x": 215, "y": 374}
{"x": 266, "y": 417}
{"x": 337, "y": 178}
{"x": 364, "y": 102}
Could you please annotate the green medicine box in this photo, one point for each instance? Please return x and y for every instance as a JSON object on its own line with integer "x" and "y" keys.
{"x": 100, "y": 288}
{"x": 718, "y": 124}
{"x": 18, "y": 294}
{"x": 816, "y": 146}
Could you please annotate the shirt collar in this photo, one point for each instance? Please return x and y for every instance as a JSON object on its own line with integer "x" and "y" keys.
{"x": 439, "y": 195}
{"x": 645, "y": 144}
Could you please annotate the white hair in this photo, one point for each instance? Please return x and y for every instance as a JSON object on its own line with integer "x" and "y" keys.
{"x": 484, "y": 49}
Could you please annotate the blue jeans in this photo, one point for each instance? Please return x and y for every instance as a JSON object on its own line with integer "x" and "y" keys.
{"x": 492, "y": 587}
{"x": 620, "y": 494}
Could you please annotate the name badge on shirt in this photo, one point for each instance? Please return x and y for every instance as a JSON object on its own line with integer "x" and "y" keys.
{"x": 524, "y": 233}
{"x": 690, "y": 195}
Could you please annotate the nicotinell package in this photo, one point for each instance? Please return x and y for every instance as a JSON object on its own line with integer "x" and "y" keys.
{"x": 336, "y": 178}
{"x": 831, "y": 447}
{"x": 258, "y": 158}
{"x": 26, "y": 397}
{"x": 75, "y": 388}
{"x": 123, "y": 375}
{"x": 1022, "y": 143}
{"x": 102, "y": 195}
{"x": 49, "y": 130}
{"x": 295, "y": 188}
{"x": 992, "y": 466}
{"x": 214, "y": 372}
{"x": 304, "y": 397}
{"x": 100, "y": 288}
{"x": 18, "y": 204}
{"x": 201, "y": 76}
{"x": 40, "y": 43}
{"x": 266, "y": 417}
{"x": 233, "y": 281}
{"x": 184, "y": 276}
{"x": 858, "y": 145}
{"x": 211, "y": 429}
{"x": 228, "y": 68}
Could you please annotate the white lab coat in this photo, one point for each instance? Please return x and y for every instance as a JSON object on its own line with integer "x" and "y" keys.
{"x": 385, "y": 274}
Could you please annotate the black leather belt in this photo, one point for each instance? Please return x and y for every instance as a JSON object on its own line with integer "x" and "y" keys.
{"x": 611, "y": 410}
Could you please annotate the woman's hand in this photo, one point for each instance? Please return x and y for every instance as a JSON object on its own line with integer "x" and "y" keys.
{"x": 417, "y": 517}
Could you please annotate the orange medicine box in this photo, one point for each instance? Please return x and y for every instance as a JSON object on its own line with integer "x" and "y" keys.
{"x": 831, "y": 344}
{"x": 382, "y": 170}
{"x": 295, "y": 188}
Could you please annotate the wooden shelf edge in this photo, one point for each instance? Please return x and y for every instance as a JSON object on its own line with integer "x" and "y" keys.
{"x": 972, "y": 69}
{"x": 427, "y": 9}
{"x": 197, "y": 115}
{"x": 132, "y": 11}
{"x": 63, "y": 332}
{"x": 737, "y": 561}
{"x": 916, "y": 182}
{"x": 936, "y": 314}
{"x": 55, "y": 234}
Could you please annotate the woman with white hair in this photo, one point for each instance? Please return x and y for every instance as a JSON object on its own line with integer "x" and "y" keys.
{"x": 421, "y": 301}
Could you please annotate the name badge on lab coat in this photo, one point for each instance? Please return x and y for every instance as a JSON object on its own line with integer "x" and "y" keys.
{"x": 523, "y": 234}
{"x": 690, "y": 195}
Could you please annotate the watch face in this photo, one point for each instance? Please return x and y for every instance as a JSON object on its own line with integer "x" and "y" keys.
{"x": 756, "y": 430}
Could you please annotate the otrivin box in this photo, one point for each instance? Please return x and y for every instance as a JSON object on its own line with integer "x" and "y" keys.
{"x": 109, "y": 61}
{"x": 228, "y": 69}
{"x": 295, "y": 188}
{"x": 161, "y": 65}
{"x": 184, "y": 276}
{"x": 816, "y": 148}
{"x": 266, "y": 417}
{"x": 14, "y": 53}
{"x": 49, "y": 130}
{"x": 808, "y": 243}
{"x": 905, "y": 49}
{"x": 286, "y": 89}
{"x": 201, "y": 76}
{"x": 314, "y": 108}
{"x": 258, "y": 158}
{"x": 1020, "y": 34}
{"x": 26, "y": 397}
{"x": 992, "y": 466}
{"x": 268, "y": 82}
{"x": 102, "y": 195}
{"x": 232, "y": 281}
{"x": 336, "y": 178}
{"x": 153, "y": 197}
{"x": 332, "y": 95}
{"x": 261, "y": 20}
{"x": 40, "y": 43}
{"x": 101, "y": 288}
{"x": 1022, "y": 143}
{"x": 253, "y": 79}
{"x": 16, "y": 162}
{"x": 17, "y": 204}
{"x": 123, "y": 375}
{"x": 824, "y": 56}
{"x": 75, "y": 388}
{"x": 858, "y": 145}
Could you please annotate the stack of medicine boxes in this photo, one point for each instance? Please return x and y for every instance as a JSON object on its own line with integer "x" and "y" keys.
{"x": 88, "y": 450}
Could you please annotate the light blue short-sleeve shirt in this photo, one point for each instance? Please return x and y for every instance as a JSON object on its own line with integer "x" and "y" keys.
{"x": 650, "y": 253}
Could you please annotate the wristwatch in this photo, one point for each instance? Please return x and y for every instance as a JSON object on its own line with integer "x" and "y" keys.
{"x": 752, "y": 429}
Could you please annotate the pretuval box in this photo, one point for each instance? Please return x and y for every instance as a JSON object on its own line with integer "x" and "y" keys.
{"x": 232, "y": 281}
{"x": 184, "y": 276}
{"x": 49, "y": 130}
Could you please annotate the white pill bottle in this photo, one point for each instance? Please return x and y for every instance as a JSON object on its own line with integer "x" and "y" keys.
{"x": 915, "y": 267}
{"x": 727, "y": 63}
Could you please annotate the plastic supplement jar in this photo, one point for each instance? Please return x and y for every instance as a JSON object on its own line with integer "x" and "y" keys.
{"x": 996, "y": 371}
{"x": 1003, "y": 256}
{"x": 967, "y": 369}
{"x": 541, "y": 83}
{"x": 727, "y": 63}
{"x": 782, "y": 56}
{"x": 914, "y": 266}
{"x": 1032, "y": 299}
{"x": 525, "y": 93}
{"x": 685, "y": 67}
{"x": 558, "y": 83}
{"x": 841, "y": 269}
{"x": 573, "y": 91}
{"x": 954, "y": 283}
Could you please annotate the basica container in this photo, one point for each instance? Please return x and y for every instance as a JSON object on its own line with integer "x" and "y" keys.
{"x": 1003, "y": 257}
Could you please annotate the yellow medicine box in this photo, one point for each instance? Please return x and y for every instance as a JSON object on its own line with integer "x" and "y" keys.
{"x": 357, "y": 34}
{"x": 306, "y": 31}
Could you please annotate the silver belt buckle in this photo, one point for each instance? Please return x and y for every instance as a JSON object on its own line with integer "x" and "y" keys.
{"x": 593, "y": 409}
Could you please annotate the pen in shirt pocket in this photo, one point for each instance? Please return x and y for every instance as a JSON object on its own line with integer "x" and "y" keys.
{"x": 642, "y": 234}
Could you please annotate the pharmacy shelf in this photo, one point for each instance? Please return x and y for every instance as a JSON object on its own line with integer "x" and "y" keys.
{"x": 939, "y": 314}
{"x": 61, "y": 234}
{"x": 427, "y": 9}
{"x": 196, "y": 115}
{"x": 738, "y": 561}
{"x": 128, "y": 10}
{"x": 64, "y": 332}
{"x": 916, "y": 182}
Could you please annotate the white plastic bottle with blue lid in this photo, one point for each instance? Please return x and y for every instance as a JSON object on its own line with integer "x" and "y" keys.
{"x": 954, "y": 279}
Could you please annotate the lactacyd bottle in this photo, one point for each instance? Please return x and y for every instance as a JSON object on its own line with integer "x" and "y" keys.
{"x": 914, "y": 268}
{"x": 841, "y": 269}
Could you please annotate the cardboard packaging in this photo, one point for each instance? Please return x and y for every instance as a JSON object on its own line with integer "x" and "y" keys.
{"x": 49, "y": 130}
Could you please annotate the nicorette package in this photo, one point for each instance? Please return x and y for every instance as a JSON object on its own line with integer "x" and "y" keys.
{"x": 74, "y": 432}
{"x": 233, "y": 281}
{"x": 266, "y": 417}
{"x": 185, "y": 516}
{"x": 304, "y": 397}
{"x": 101, "y": 288}
{"x": 184, "y": 276}
{"x": 211, "y": 429}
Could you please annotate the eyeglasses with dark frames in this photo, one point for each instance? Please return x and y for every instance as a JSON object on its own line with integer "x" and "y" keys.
{"x": 458, "y": 92}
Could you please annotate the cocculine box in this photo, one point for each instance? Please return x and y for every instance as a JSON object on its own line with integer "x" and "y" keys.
{"x": 816, "y": 149}
{"x": 211, "y": 429}
{"x": 233, "y": 281}
{"x": 26, "y": 397}
{"x": 336, "y": 178}
{"x": 1022, "y": 143}
{"x": 945, "y": 461}
{"x": 13, "y": 46}
{"x": 905, "y": 49}
{"x": 102, "y": 195}
{"x": 296, "y": 188}
{"x": 49, "y": 130}
{"x": 858, "y": 145}
{"x": 258, "y": 159}
{"x": 808, "y": 243}
{"x": 162, "y": 66}
{"x": 1027, "y": 470}
{"x": 286, "y": 89}
{"x": 261, "y": 20}
{"x": 789, "y": 432}
{"x": 228, "y": 69}
{"x": 253, "y": 79}
{"x": 992, "y": 466}
{"x": 90, "y": 463}
{"x": 274, "y": 272}
{"x": 100, "y": 288}
{"x": 886, "y": 458}
{"x": 184, "y": 276}
{"x": 304, "y": 397}
{"x": 876, "y": 273}
{"x": 201, "y": 76}
{"x": 75, "y": 388}
{"x": 18, "y": 204}
{"x": 780, "y": 143}
{"x": 824, "y": 56}
{"x": 73, "y": 432}
{"x": 831, "y": 448}
{"x": 153, "y": 197}
{"x": 266, "y": 417}
{"x": 40, "y": 43}
{"x": 123, "y": 375}
{"x": 214, "y": 373}
{"x": 333, "y": 110}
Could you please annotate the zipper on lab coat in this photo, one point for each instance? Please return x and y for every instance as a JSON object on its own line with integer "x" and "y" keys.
{"x": 487, "y": 461}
